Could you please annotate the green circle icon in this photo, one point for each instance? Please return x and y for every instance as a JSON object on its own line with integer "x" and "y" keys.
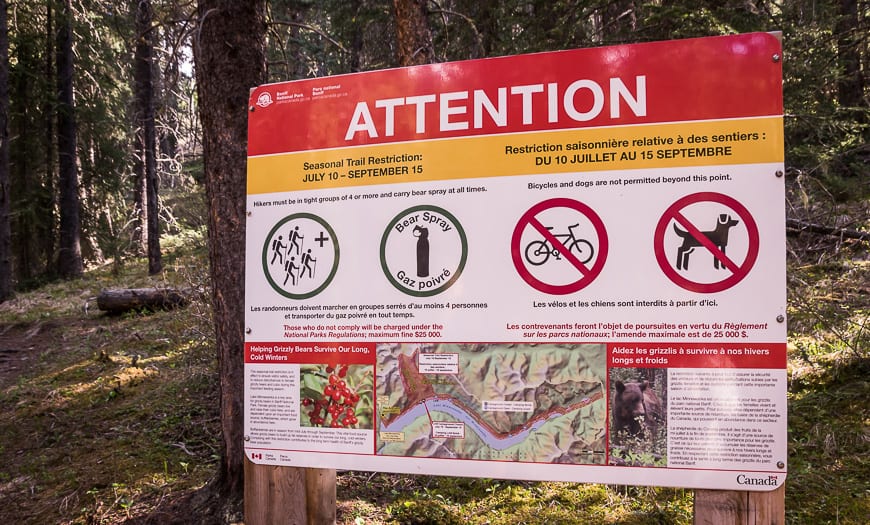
{"x": 423, "y": 250}
{"x": 300, "y": 256}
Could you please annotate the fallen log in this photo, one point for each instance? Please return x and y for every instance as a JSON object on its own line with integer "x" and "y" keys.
{"x": 120, "y": 300}
{"x": 795, "y": 226}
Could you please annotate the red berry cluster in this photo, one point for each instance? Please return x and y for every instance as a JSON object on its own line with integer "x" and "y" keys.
{"x": 338, "y": 401}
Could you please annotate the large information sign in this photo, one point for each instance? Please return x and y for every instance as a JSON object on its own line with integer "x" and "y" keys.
{"x": 559, "y": 266}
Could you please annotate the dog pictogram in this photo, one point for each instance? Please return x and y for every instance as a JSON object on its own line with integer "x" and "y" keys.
{"x": 718, "y": 236}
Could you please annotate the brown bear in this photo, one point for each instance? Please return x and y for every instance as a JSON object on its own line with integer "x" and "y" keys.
{"x": 636, "y": 409}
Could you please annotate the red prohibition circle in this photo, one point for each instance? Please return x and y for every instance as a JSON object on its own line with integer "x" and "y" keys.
{"x": 587, "y": 274}
{"x": 738, "y": 271}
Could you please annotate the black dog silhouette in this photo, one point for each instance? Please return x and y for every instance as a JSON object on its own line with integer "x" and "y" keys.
{"x": 719, "y": 237}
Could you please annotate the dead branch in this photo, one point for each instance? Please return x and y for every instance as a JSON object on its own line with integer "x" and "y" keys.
{"x": 796, "y": 226}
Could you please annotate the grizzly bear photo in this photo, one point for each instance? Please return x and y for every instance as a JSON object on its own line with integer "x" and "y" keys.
{"x": 636, "y": 409}
{"x": 638, "y": 417}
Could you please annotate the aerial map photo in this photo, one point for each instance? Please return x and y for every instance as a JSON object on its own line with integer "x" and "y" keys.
{"x": 504, "y": 402}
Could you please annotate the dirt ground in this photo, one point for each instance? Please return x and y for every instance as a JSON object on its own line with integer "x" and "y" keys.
{"x": 22, "y": 345}
{"x": 87, "y": 434}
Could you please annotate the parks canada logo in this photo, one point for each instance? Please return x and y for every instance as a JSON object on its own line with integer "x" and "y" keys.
{"x": 264, "y": 100}
{"x": 743, "y": 479}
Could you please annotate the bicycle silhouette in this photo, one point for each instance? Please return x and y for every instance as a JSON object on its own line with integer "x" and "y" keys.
{"x": 538, "y": 252}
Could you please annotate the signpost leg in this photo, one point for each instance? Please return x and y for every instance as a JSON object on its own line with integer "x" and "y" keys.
{"x": 740, "y": 508}
{"x": 320, "y": 495}
{"x": 275, "y": 495}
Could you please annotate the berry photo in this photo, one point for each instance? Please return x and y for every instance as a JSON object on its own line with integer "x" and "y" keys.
{"x": 337, "y": 396}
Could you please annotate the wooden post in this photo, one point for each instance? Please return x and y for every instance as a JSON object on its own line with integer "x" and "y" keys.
{"x": 288, "y": 495}
{"x": 274, "y": 495}
{"x": 713, "y": 507}
{"x": 320, "y": 495}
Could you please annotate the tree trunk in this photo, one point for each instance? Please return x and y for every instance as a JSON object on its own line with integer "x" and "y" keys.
{"x": 69, "y": 263}
{"x": 25, "y": 194}
{"x": 30, "y": 121}
{"x": 5, "y": 202}
{"x": 167, "y": 112}
{"x": 147, "y": 133}
{"x": 413, "y": 33}
{"x": 850, "y": 82}
{"x": 46, "y": 202}
{"x": 230, "y": 60}
{"x": 616, "y": 22}
{"x": 140, "y": 197}
{"x": 488, "y": 25}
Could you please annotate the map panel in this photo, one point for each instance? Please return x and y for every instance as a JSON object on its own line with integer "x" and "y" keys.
{"x": 540, "y": 403}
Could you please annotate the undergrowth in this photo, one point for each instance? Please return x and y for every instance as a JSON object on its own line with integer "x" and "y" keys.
{"x": 108, "y": 415}
{"x": 828, "y": 365}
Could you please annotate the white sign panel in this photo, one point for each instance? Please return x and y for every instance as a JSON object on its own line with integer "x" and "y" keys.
{"x": 564, "y": 266}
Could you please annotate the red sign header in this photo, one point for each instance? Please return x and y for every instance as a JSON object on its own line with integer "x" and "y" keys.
{"x": 684, "y": 80}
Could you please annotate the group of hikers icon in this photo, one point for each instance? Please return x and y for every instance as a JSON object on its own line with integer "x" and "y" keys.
{"x": 282, "y": 252}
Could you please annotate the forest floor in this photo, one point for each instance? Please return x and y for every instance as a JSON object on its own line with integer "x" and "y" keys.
{"x": 111, "y": 419}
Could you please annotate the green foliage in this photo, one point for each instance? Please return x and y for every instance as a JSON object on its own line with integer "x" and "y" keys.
{"x": 33, "y": 184}
{"x": 494, "y": 502}
{"x": 829, "y": 361}
{"x": 102, "y": 39}
{"x": 112, "y": 414}
{"x": 829, "y": 453}
{"x": 829, "y": 309}
{"x": 823, "y": 139}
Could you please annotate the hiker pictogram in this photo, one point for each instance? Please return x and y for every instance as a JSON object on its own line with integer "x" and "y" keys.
{"x": 278, "y": 248}
{"x": 706, "y": 242}
{"x": 559, "y": 246}
{"x": 293, "y": 269}
{"x": 308, "y": 264}
{"x": 295, "y": 238}
{"x": 423, "y": 250}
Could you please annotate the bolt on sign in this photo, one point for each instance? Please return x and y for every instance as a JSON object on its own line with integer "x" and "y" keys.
{"x": 559, "y": 266}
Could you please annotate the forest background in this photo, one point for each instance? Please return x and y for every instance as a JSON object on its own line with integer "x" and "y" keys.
{"x": 112, "y": 174}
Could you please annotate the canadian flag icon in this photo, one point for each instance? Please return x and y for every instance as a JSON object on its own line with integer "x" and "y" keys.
{"x": 255, "y": 455}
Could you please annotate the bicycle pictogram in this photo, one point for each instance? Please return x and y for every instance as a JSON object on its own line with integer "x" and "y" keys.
{"x": 578, "y": 260}
{"x": 539, "y": 251}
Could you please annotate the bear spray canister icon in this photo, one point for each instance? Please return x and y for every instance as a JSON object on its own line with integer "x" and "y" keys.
{"x": 416, "y": 263}
{"x": 422, "y": 235}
